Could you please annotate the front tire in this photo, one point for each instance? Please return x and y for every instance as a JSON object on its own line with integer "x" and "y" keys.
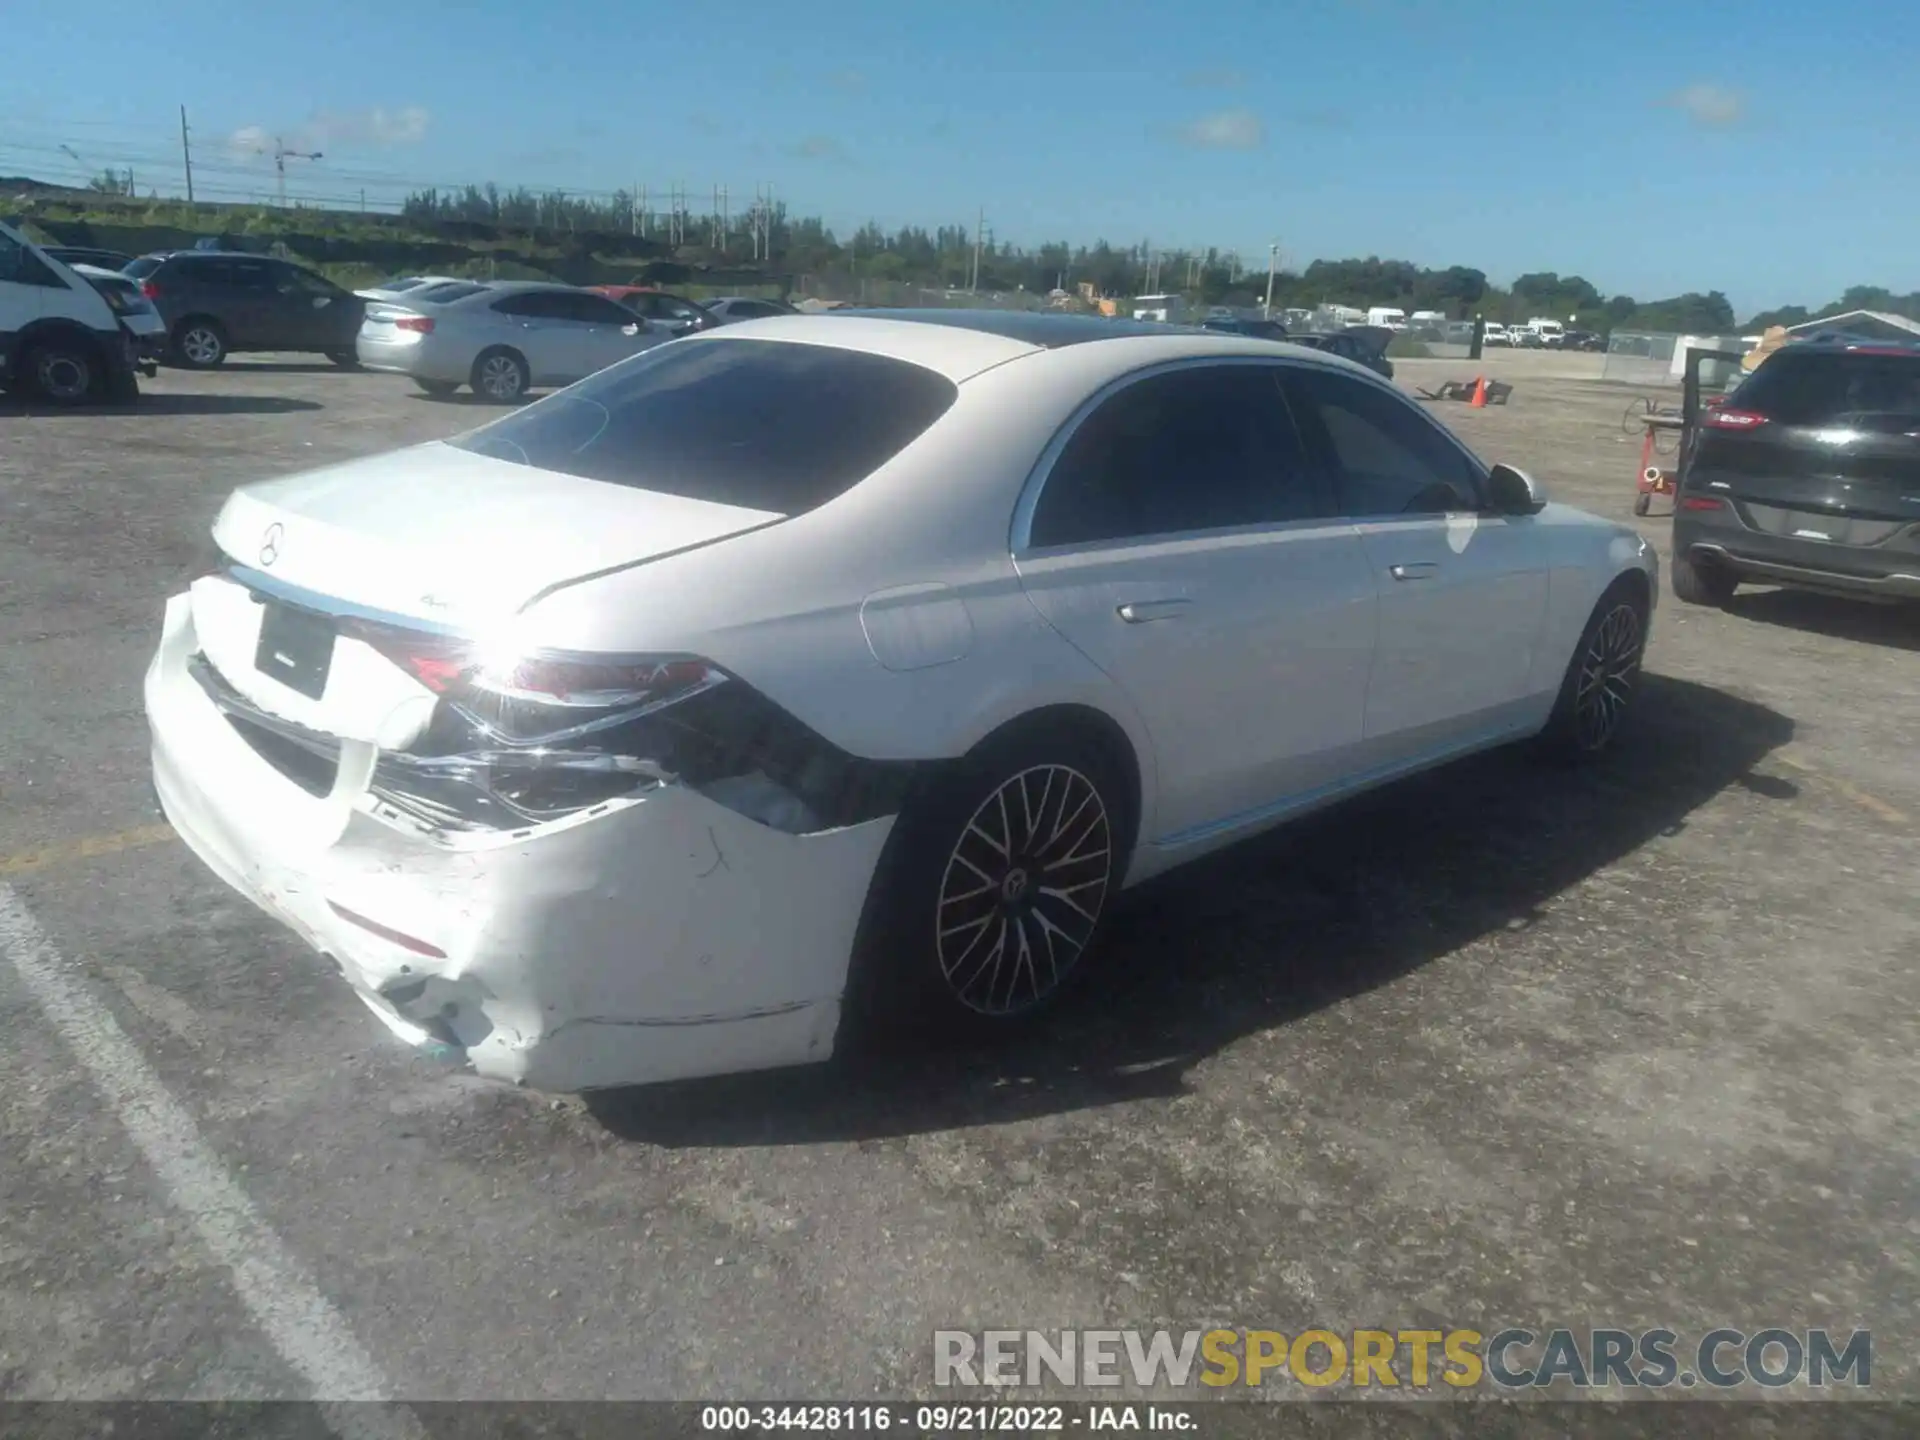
{"x": 1702, "y": 582}
{"x": 63, "y": 371}
{"x": 993, "y": 889}
{"x": 1597, "y": 692}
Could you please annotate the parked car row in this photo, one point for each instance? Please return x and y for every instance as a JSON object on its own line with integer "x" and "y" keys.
{"x": 76, "y": 323}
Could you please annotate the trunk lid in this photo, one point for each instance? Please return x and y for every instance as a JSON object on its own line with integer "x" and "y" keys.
{"x": 452, "y": 538}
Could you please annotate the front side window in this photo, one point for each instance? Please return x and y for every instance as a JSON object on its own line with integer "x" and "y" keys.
{"x": 20, "y": 266}
{"x": 1387, "y": 458}
{"x": 1201, "y": 448}
{"x": 779, "y": 428}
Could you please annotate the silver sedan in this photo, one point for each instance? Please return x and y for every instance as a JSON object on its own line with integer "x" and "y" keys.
{"x": 503, "y": 339}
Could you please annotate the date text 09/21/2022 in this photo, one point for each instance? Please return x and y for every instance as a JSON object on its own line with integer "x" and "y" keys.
{"x": 945, "y": 1419}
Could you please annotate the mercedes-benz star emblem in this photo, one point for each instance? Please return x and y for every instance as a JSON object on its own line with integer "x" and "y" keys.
{"x": 270, "y": 543}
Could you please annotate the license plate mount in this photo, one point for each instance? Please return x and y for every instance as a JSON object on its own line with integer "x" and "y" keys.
{"x": 296, "y": 648}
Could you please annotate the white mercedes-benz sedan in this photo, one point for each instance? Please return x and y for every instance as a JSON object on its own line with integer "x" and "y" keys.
{"x": 836, "y": 671}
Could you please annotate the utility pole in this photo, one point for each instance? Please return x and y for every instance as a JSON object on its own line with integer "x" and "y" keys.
{"x": 979, "y": 237}
{"x": 726, "y": 220}
{"x": 1273, "y": 264}
{"x": 643, "y": 210}
{"x": 186, "y": 154}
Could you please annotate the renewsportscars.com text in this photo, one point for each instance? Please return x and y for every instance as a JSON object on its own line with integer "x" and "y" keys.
{"x": 1723, "y": 1358}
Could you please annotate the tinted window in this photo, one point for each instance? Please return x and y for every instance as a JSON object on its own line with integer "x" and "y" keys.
{"x": 530, "y": 304}
{"x": 444, "y": 294}
{"x": 1194, "y": 449}
{"x": 1827, "y": 389}
{"x": 766, "y": 426}
{"x": 299, "y": 282}
{"x": 752, "y": 309}
{"x": 590, "y": 310}
{"x": 21, "y": 266}
{"x": 1388, "y": 458}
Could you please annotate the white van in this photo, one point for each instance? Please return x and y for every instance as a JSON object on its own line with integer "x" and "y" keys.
{"x": 1551, "y": 332}
{"x": 1389, "y": 317}
{"x": 60, "y": 338}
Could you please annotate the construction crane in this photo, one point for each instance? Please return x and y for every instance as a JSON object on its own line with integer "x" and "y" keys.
{"x": 281, "y": 154}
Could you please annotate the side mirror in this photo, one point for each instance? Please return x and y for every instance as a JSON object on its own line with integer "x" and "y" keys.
{"x": 1514, "y": 492}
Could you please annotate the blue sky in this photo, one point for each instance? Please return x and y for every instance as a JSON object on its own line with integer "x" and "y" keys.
{"x": 1767, "y": 149}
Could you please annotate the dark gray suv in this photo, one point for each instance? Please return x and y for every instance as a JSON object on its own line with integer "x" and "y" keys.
{"x": 216, "y": 303}
{"x": 1807, "y": 475}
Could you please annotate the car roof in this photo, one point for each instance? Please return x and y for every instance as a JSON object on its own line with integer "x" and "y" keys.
{"x": 960, "y": 344}
{"x": 521, "y": 287}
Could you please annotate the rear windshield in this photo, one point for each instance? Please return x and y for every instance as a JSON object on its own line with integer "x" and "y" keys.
{"x": 400, "y": 282}
{"x": 1831, "y": 388}
{"x": 445, "y": 292}
{"x": 143, "y": 267}
{"x": 760, "y": 424}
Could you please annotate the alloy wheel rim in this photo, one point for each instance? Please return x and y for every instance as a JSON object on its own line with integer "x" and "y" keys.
{"x": 1608, "y": 670}
{"x": 1023, "y": 890}
{"x": 64, "y": 377}
{"x": 201, "y": 346}
{"x": 501, "y": 377}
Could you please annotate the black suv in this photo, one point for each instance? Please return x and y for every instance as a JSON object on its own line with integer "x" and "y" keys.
{"x": 216, "y": 303}
{"x": 1807, "y": 475}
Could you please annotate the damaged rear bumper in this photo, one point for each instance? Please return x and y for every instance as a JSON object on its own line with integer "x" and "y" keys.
{"x": 658, "y": 936}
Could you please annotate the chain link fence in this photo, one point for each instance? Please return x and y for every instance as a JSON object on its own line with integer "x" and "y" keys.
{"x": 1653, "y": 357}
{"x": 902, "y": 294}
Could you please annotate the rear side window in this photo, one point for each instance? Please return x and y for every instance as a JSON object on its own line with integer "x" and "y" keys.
{"x": 758, "y": 424}
{"x": 444, "y": 294}
{"x": 143, "y": 267}
{"x": 1831, "y": 389}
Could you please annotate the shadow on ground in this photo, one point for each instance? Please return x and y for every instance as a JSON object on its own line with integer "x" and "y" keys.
{"x": 1832, "y": 616}
{"x": 1279, "y": 927}
{"x": 164, "y": 404}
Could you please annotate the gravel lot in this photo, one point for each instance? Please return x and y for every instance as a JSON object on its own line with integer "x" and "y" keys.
{"x": 1634, "y": 1047}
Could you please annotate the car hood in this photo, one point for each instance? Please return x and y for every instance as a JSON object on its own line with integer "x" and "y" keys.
{"x": 439, "y": 534}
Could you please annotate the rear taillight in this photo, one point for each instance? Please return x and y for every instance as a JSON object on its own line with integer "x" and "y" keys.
{"x": 1703, "y": 502}
{"x": 149, "y": 289}
{"x": 436, "y": 661}
{"x": 1721, "y": 418}
{"x": 418, "y": 324}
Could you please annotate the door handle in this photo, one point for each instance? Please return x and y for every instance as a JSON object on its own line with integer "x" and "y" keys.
{"x": 1139, "y": 612}
{"x": 1414, "y": 570}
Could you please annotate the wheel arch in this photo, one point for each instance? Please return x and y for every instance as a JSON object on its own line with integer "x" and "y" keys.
{"x": 1095, "y": 725}
{"x": 58, "y": 327}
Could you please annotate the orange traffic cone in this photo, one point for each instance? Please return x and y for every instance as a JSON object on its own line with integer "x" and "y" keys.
{"x": 1480, "y": 392}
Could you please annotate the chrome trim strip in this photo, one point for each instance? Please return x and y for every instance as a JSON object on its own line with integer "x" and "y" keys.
{"x": 259, "y": 582}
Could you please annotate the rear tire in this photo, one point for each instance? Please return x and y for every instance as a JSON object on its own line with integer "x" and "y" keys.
{"x": 199, "y": 344}
{"x": 345, "y": 359}
{"x": 993, "y": 889}
{"x": 64, "y": 370}
{"x": 1702, "y": 582}
{"x": 501, "y": 375}
{"x": 439, "y": 389}
{"x": 1602, "y": 677}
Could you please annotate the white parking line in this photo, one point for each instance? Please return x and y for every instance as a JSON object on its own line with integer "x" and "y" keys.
{"x": 298, "y": 1319}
